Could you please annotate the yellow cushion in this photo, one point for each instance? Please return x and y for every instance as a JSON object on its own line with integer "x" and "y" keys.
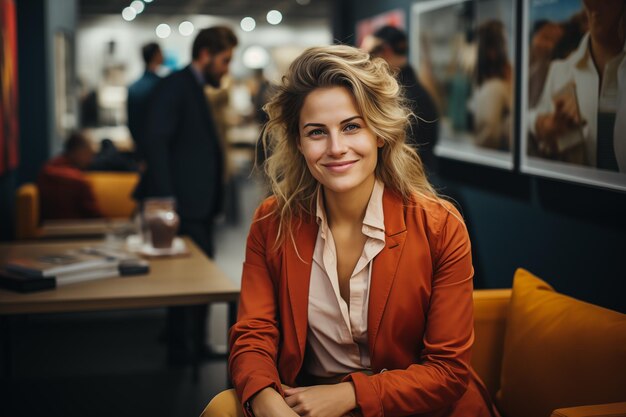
{"x": 559, "y": 352}
{"x": 27, "y": 211}
{"x": 113, "y": 192}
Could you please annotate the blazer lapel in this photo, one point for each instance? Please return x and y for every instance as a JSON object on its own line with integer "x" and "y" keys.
{"x": 298, "y": 267}
{"x": 385, "y": 263}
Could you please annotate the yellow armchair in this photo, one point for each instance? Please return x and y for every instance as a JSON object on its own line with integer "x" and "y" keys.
{"x": 542, "y": 354}
{"x": 112, "y": 190}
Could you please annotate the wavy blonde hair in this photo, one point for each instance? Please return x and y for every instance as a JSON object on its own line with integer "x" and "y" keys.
{"x": 379, "y": 101}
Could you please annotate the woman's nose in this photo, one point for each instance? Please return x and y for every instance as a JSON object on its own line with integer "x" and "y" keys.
{"x": 335, "y": 144}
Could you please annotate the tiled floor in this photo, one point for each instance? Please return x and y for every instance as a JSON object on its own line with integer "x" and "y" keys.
{"x": 111, "y": 363}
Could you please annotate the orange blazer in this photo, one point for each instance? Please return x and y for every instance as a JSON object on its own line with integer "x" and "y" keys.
{"x": 420, "y": 321}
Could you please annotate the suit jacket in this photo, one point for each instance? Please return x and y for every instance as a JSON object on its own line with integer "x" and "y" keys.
{"x": 181, "y": 147}
{"x": 420, "y": 321}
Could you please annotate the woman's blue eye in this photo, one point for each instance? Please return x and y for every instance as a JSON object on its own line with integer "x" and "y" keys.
{"x": 351, "y": 126}
{"x": 316, "y": 132}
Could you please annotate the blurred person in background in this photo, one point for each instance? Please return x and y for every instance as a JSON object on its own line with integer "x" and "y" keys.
{"x": 139, "y": 94}
{"x": 64, "y": 191}
{"x": 391, "y": 44}
{"x": 577, "y": 118}
{"x": 109, "y": 158}
{"x": 183, "y": 151}
{"x": 492, "y": 100}
{"x": 185, "y": 161}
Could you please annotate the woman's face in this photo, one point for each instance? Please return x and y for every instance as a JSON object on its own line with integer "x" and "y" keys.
{"x": 339, "y": 148}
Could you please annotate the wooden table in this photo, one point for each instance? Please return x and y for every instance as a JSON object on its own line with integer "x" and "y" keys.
{"x": 189, "y": 280}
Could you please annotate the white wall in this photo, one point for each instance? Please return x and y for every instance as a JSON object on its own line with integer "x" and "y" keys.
{"x": 94, "y": 34}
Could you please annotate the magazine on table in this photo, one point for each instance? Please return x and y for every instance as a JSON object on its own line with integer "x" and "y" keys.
{"x": 56, "y": 264}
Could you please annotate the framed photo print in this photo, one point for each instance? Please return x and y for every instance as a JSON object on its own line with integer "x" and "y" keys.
{"x": 464, "y": 54}
{"x": 573, "y": 123}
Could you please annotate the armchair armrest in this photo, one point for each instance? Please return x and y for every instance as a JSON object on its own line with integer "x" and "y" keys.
{"x": 600, "y": 410}
{"x": 490, "y": 312}
{"x": 27, "y": 212}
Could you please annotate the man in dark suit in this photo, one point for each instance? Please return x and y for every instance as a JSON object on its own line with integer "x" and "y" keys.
{"x": 182, "y": 149}
{"x": 391, "y": 44}
{"x": 184, "y": 161}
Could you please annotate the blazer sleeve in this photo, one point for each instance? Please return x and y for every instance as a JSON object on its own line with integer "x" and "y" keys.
{"x": 254, "y": 338}
{"x": 441, "y": 374}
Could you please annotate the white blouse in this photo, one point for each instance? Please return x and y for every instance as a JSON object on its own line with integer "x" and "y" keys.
{"x": 337, "y": 337}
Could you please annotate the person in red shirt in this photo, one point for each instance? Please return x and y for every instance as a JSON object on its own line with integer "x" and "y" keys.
{"x": 64, "y": 191}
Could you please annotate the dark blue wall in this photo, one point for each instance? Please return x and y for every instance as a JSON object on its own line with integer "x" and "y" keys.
{"x": 32, "y": 88}
{"x": 572, "y": 236}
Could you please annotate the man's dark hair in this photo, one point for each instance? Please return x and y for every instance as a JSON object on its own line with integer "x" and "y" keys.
{"x": 395, "y": 38}
{"x": 215, "y": 39}
{"x": 149, "y": 51}
{"x": 74, "y": 142}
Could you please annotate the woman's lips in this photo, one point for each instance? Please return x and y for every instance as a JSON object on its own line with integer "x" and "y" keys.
{"x": 339, "y": 166}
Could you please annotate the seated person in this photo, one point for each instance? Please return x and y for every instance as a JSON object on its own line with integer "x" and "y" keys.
{"x": 110, "y": 159}
{"x": 356, "y": 295}
{"x": 64, "y": 191}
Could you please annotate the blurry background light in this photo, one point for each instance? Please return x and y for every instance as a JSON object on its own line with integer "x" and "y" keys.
{"x": 185, "y": 28}
{"x": 255, "y": 57}
{"x": 129, "y": 14}
{"x": 248, "y": 24}
{"x": 148, "y": 1}
{"x": 138, "y": 6}
{"x": 303, "y": 2}
{"x": 163, "y": 31}
{"x": 274, "y": 17}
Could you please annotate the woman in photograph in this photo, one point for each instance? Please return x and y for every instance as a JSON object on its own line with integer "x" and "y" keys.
{"x": 578, "y": 118}
{"x": 356, "y": 294}
{"x": 491, "y": 103}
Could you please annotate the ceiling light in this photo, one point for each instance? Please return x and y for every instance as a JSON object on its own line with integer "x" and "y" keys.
{"x": 163, "y": 31}
{"x": 185, "y": 28}
{"x": 148, "y": 1}
{"x": 248, "y": 24}
{"x": 138, "y": 6}
{"x": 274, "y": 17}
{"x": 129, "y": 14}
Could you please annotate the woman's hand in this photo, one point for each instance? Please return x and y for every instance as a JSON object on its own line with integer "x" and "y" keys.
{"x": 322, "y": 400}
{"x": 269, "y": 403}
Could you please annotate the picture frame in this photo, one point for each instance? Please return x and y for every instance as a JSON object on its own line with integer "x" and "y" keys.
{"x": 474, "y": 93}
{"x": 557, "y": 71}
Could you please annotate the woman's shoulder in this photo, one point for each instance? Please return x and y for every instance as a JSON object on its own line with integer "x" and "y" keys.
{"x": 434, "y": 212}
{"x": 265, "y": 212}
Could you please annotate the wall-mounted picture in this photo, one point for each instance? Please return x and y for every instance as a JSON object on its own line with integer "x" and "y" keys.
{"x": 574, "y": 91}
{"x": 464, "y": 53}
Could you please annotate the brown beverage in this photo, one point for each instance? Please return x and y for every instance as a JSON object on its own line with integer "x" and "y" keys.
{"x": 162, "y": 222}
{"x": 163, "y": 230}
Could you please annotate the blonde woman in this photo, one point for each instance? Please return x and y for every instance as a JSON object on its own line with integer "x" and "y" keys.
{"x": 356, "y": 295}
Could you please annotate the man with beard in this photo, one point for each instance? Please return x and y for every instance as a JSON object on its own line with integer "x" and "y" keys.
{"x": 184, "y": 160}
{"x": 182, "y": 148}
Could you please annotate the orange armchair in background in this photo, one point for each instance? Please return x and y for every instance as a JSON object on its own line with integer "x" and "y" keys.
{"x": 112, "y": 190}
{"x": 539, "y": 352}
